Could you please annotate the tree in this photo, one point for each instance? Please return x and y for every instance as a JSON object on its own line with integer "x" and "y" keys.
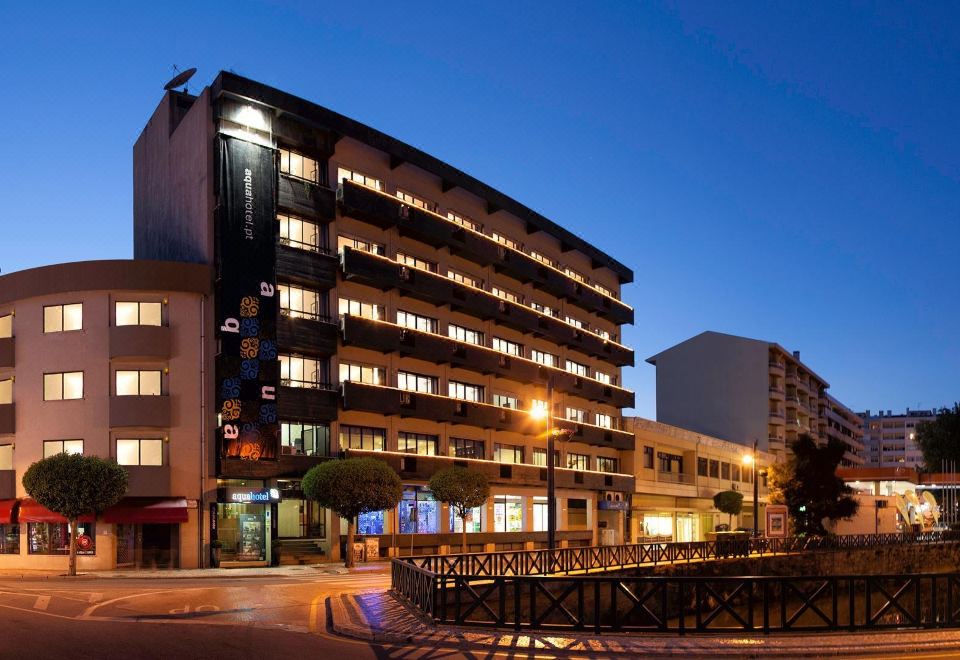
{"x": 939, "y": 440}
{"x": 729, "y": 502}
{"x": 463, "y": 490}
{"x": 807, "y": 483}
{"x": 353, "y": 486}
{"x": 73, "y": 486}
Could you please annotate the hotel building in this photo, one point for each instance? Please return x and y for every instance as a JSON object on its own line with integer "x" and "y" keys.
{"x": 891, "y": 440}
{"x": 372, "y": 300}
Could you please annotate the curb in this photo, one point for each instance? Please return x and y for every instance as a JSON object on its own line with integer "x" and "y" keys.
{"x": 344, "y": 620}
{"x": 171, "y": 575}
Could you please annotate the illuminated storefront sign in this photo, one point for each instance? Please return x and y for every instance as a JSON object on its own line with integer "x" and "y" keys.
{"x": 251, "y": 495}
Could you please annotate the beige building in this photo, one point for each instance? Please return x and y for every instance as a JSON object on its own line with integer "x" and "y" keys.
{"x": 106, "y": 358}
{"x": 891, "y": 439}
{"x": 678, "y": 472}
{"x": 838, "y": 421}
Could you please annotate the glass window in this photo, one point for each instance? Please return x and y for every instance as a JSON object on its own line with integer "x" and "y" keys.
{"x": 578, "y": 369}
{"x": 577, "y": 323}
{"x": 138, "y": 383}
{"x": 413, "y": 200}
{"x": 54, "y": 447}
{"x": 416, "y": 321}
{"x": 362, "y": 309}
{"x": 465, "y": 334}
{"x": 54, "y": 538}
{"x": 6, "y": 326}
{"x": 62, "y": 318}
{"x": 61, "y": 386}
{"x": 419, "y": 511}
{"x": 299, "y": 302}
{"x": 9, "y": 539}
{"x": 670, "y": 462}
{"x": 604, "y": 378}
{"x": 465, "y": 391}
{"x": 370, "y": 522}
{"x": 465, "y": 448}
{"x": 305, "y": 439}
{"x": 724, "y": 470}
{"x": 578, "y": 461}
{"x": 412, "y": 382}
{"x": 734, "y": 472}
{"x": 359, "y": 244}
{"x": 575, "y": 275}
{"x": 605, "y": 421}
{"x": 543, "y": 258}
{"x": 507, "y": 453}
{"x": 648, "y": 458}
{"x": 541, "y": 511}
{"x": 299, "y": 233}
{"x": 418, "y": 443}
{"x": 604, "y": 290}
{"x": 463, "y": 278}
{"x": 544, "y": 358}
{"x": 543, "y": 309}
{"x": 141, "y": 451}
{"x": 506, "y": 401}
{"x": 6, "y": 457}
{"x": 577, "y": 415}
{"x": 715, "y": 469}
{"x": 503, "y": 294}
{"x": 300, "y": 166}
{"x": 138, "y": 313}
{"x": 701, "y": 467}
{"x": 503, "y": 240}
{"x": 576, "y": 513}
{"x": 603, "y": 333}
{"x": 508, "y": 347}
{"x": 363, "y": 437}
{"x": 357, "y": 177}
{"x": 6, "y": 391}
{"x": 507, "y": 513}
{"x": 416, "y": 262}
{"x": 540, "y": 457}
{"x": 607, "y": 464}
{"x": 464, "y": 221}
{"x": 297, "y": 371}
{"x": 474, "y": 519}
{"x": 362, "y": 373}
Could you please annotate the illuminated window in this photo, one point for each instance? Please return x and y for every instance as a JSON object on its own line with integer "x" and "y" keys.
{"x": 359, "y": 244}
{"x": 418, "y": 443}
{"x": 604, "y": 290}
{"x": 416, "y": 262}
{"x": 62, "y": 386}
{"x": 540, "y": 457}
{"x": 363, "y": 437}
{"x": 577, "y": 323}
{"x": 543, "y": 309}
{"x": 138, "y": 313}
{"x": 465, "y": 279}
{"x": 607, "y": 464}
{"x": 305, "y": 439}
{"x": 507, "y": 453}
{"x": 298, "y": 302}
{"x": 604, "y": 378}
{"x": 362, "y": 373}
{"x": 543, "y": 259}
{"x": 605, "y": 421}
{"x": 465, "y": 334}
{"x": 541, "y": 511}
{"x": 357, "y": 177}
{"x": 416, "y": 321}
{"x": 578, "y": 369}
{"x": 464, "y": 221}
{"x": 465, "y": 391}
{"x": 54, "y": 447}
{"x": 465, "y": 448}
{"x": 578, "y": 461}
{"x": 577, "y": 415}
{"x": 503, "y": 294}
{"x": 299, "y": 166}
{"x": 413, "y": 200}
{"x": 575, "y": 275}
{"x": 138, "y": 383}
{"x": 297, "y": 371}
{"x": 6, "y": 458}
{"x": 508, "y": 513}
{"x": 6, "y": 391}
{"x": 366, "y": 310}
{"x": 63, "y": 318}
{"x": 508, "y": 347}
{"x": 503, "y": 240}
{"x": 544, "y": 358}
{"x": 141, "y": 451}
{"x": 602, "y": 333}
{"x": 299, "y": 233}
{"x": 6, "y": 326}
{"x": 411, "y": 382}
{"x": 506, "y": 401}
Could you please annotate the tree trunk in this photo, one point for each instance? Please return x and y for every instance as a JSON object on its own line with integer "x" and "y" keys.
{"x": 463, "y": 524}
{"x": 73, "y": 547}
{"x": 348, "y": 562}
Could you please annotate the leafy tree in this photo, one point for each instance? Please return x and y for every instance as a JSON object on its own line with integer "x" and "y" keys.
{"x": 939, "y": 440}
{"x": 463, "y": 490}
{"x": 353, "y": 486}
{"x": 73, "y": 486}
{"x": 729, "y": 502}
{"x": 807, "y": 483}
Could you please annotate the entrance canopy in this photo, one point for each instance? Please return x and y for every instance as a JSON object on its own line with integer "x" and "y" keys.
{"x": 33, "y": 511}
{"x": 148, "y": 510}
{"x": 8, "y": 511}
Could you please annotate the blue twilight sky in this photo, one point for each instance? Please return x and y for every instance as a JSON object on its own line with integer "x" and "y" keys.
{"x": 786, "y": 171}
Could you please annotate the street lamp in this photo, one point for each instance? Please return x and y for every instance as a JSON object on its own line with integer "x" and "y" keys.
{"x": 545, "y": 413}
{"x": 751, "y": 460}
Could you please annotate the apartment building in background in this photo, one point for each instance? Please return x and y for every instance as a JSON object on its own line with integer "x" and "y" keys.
{"x": 891, "y": 439}
{"x": 745, "y": 390}
{"x": 838, "y": 421}
{"x": 372, "y": 300}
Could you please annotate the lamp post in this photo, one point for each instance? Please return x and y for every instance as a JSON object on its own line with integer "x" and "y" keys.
{"x": 751, "y": 460}
{"x": 539, "y": 412}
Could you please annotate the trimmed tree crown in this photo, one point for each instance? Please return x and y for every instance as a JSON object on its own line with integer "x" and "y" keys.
{"x": 729, "y": 502}
{"x": 74, "y": 485}
{"x": 461, "y": 488}
{"x": 353, "y": 486}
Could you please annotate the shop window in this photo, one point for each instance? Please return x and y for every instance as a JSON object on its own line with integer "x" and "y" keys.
{"x": 419, "y": 512}
{"x": 63, "y": 318}
{"x": 412, "y": 382}
{"x": 370, "y": 522}
{"x": 138, "y": 383}
{"x": 54, "y": 539}
{"x": 140, "y": 451}
{"x": 6, "y": 457}
{"x": 422, "y": 444}
{"x": 139, "y": 313}
{"x": 299, "y": 233}
{"x": 6, "y": 326}
{"x": 363, "y": 437}
{"x": 54, "y": 447}
{"x": 576, "y": 513}
{"x": 416, "y": 321}
{"x": 242, "y": 529}
{"x": 305, "y": 439}
{"x": 508, "y": 513}
{"x": 357, "y": 177}
{"x": 9, "y": 539}
{"x": 507, "y": 453}
{"x": 541, "y": 513}
{"x": 465, "y": 334}
{"x": 657, "y": 524}
{"x": 301, "y": 303}
{"x": 300, "y": 166}
{"x": 465, "y": 391}
{"x": 466, "y": 448}
{"x": 474, "y": 521}
{"x": 362, "y": 309}
{"x": 6, "y": 391}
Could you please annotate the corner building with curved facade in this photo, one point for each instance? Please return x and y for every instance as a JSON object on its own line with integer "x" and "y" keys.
{"x": 374, "y": 301}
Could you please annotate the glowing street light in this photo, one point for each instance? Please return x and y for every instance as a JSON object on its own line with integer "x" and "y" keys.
{"x": 541, "y": 411}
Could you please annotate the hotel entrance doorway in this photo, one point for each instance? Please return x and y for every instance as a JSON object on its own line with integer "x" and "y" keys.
{"x": 301, "y": 519}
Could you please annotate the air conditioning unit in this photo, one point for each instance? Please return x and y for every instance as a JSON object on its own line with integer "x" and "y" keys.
{"x": 404, "y": 273}
{"x": 406, "y": 399}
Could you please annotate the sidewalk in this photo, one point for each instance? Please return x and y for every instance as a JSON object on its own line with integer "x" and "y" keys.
{"x": 314, "y": 570}
{"x": 381, "y": 618}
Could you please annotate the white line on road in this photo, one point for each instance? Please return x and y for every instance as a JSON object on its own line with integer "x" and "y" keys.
{"x": 42, "y": 603}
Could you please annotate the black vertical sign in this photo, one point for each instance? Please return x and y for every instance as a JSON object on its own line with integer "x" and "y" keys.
{"x": 248, "y": 372}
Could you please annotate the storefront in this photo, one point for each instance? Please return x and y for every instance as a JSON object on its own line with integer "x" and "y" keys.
{"x": 297, "y": 516}
{"x": 148, "y": 531}
{"x": 243, "y": 523}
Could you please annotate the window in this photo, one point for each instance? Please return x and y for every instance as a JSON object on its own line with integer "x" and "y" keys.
{"x": 503, "y": 294}
{"x": 474, "y": 520}
{"x": 604, "y": 421}
{"x": 419, "y": 511}
{"x": 578, "y": 461}
{"x": 602, "y": 333}
{"x": 362, "y": 309}
{"x": 370, "y": 522}
{"x": 508, "y": 347}
{"x": 300, "y": 166}
{"x": 463, "y": 278}
{"x": 543, "y": 309}
{"x": 305, "y": 439}
{"x": 734, "y": 472}
{"x": 465, "y": 391}
{"x": 138, "y": 383}
{"x": 577, "y": 323}
{"x": 416, "y": 262}
{"x": 508, "y": 513}
{"x": 543, "y": 259}
{"x": 140, "y": 451}
{"x": 503, "y": 240}
{"x": 538, "y": 404}
{"x": 607, "y": 464}
{"x": 575, "y": 275}
{"x": 299, "y": 303}
{"x": 416, "y": 322}
{"x": 578, "y": 369}
{"x": 464, "y": 448}
{"x": 604, "y": 290}
{"x": 417, "y": 382}
{"x": 296, "y": 371}
{"x": 541, "y": 511}
{"x": 9, "y": 539}
{"x": 363, "y": 437}
{"x": 138, "y": 313}
{"x": 540, "y": 457}
{"x": 362, "y": 373}
{"x": 6, "y": 457}
{"x": 62, "y": 386}
{"x": 6, "y": 391}
{"x": 413, "y": 200}
{"x": 604, "y": 378}
{"x": 724, "y": 470}
{"x": 418, "y": 443}
{"x": 63, "y": 318}
{"x": 465, "y": 334}
{"x": 356, "y": 177}
{"x": 544, "y": 358}
{"x": 6, "y": 326}
{"x": 54, "y": 538}
{"x": 506, "y": 401}
{"x": 670, "y": 462}
{"x": 577, "y": 415}
{"x": 299, "y": 233}
{"x": 464, "y": 221}
{"x": 359, "y": 244}
{"x": 715, "y": 469}
{"x": 507, "y": 453}
{"x": 54, "y": 447}
{"x": 648, "y": 457}
{"x": 576, "y": 513}
{"x": 701, "y": 467}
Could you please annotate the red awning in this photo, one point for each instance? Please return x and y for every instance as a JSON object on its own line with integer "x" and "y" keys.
{"x": 32, "y": 511}
{"x": 149, "y": 510}
{"x": 8, "y": 509}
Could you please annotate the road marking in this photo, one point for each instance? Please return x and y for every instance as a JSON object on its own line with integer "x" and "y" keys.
{"x": 42, "y": 603}
{"x": 314, "y": 607}
{"x": 95, "y": 598}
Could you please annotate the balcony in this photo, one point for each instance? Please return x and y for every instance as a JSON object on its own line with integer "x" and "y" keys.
{"x": 307, "y": 199}
{"x": 776, "y": 392}
{"x": 312, "y": 336}
{"x": 388, "y": 338}
{"x": 676, "y": 478}
{"x": 385, "y": 211}
{"x": 307, "y": 404}
{"x": 7, "y": 352}
{"x": 8, "y": 484}
{"x": 140, "y": 342}
{"x": 150, "y": 411}
{"x": 8, "y": 419}
{"x": 148, "y": 480}
{"x": 775, "y": 417}
{"x": 777, "y": 367}
{"x": 391, "y": 401}
{"x": 416, "y": 467}
{"x": 307, "y": 267}
{"x": 386, "y": 274}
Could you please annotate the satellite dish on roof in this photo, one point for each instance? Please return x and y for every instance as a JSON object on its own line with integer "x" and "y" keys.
{"x": 180, "y": 79}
